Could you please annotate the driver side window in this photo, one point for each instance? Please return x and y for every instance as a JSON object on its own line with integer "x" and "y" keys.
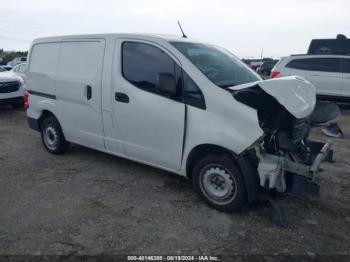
{"x": 143, "y": 64}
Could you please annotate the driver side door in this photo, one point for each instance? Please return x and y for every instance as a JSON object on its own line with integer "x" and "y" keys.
{"x": 150, "y": 123}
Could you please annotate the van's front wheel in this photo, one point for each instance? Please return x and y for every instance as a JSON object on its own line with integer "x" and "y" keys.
{"x": 219, "y": 183}
{"x": 52, "y": 136}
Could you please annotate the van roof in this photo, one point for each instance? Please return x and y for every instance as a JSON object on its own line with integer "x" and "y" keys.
{"x": 151, "y": 37}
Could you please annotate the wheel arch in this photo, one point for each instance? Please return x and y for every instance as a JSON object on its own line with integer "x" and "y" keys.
{"x": 244, "y": 161}
{"x": 45, "y": 114}
{"x": 200, "y": 151}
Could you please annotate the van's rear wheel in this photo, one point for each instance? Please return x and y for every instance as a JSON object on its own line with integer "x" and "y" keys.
{"x": 219, "y": 183}
{"x": 52, "y": 136}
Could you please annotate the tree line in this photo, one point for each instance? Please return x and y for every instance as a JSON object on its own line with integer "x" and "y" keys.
{"x": 7, "y": 56}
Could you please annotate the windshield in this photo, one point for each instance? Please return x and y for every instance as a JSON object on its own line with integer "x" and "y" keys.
{"x": 221, "y": 67}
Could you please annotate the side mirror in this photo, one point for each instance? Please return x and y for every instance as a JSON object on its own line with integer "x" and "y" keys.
{"x": 166, "y": 84}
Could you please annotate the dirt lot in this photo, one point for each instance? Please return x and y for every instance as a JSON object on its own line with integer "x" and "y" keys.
{"x": 87, "y": 202}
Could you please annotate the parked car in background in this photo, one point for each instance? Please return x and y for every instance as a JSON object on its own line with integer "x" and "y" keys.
{"x": 178, "y": 104}
{"x": 5, "y": 67}
{"x": 338, "y": 46}
{"x": 329, "y": 73}
{"x": 255, "y": 65}
{"x": 20, "y": 70}
{"x": 266, "y": 67}
{"x": 17, "y": 61}
{"x": 11, "y": 89}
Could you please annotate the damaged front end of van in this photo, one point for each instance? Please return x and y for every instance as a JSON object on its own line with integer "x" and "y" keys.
{"x": 286, "y": 160}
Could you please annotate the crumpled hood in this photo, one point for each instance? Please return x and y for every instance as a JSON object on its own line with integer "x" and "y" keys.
{"x": 296, "y": 94}
{"x": 8, "y": 76}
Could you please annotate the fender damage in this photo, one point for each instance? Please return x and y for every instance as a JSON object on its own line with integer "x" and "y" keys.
{"x": 286, "y": 160}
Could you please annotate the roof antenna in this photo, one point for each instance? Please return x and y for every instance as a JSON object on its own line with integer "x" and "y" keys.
{"x": 183, "y": 34}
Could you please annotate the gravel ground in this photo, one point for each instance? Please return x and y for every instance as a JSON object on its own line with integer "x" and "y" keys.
{"x": 89, "y": 203}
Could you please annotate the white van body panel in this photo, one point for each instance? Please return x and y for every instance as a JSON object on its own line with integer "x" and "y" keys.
{"x": 41, "y": 72}
{"x": 79, "y": 68}
{"x": 222, "y": 110}
{"x": 201, "y": 130}
{"x": 150, "y": 129}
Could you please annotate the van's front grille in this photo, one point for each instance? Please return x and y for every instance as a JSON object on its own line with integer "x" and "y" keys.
{"x": 8, "y": 87}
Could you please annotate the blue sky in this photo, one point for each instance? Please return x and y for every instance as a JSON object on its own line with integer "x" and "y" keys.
{"x": 244, "y": 27}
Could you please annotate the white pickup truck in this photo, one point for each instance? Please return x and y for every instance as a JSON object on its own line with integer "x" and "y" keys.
{"x": 178, "y": 104}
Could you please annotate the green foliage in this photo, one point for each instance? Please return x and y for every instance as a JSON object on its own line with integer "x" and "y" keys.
{"x": 8, "y": 56}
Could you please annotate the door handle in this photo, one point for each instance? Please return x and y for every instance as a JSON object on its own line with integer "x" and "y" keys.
{"x": 121, "y": 97}
{"x": 88, "y": 92}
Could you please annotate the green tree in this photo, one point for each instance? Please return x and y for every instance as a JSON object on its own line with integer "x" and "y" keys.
{"x": 8, "y": 56}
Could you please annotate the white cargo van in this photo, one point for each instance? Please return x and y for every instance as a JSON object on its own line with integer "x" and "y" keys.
{"x": 178, "y": 104}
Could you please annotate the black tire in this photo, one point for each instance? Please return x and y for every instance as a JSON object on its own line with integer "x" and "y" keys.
{"x": 18, "y": 105}
{"x": 52, "y": 136}
{"x": 205, "y": 175}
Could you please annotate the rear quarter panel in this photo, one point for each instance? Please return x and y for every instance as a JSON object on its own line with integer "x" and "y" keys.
{"x": 42, "y": 67}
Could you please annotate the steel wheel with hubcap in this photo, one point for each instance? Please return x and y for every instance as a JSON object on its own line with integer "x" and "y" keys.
{"x": 219, "y": 182}
{"x": 52, "y": 136}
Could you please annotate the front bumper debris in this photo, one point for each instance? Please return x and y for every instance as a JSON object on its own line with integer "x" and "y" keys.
{"x": 319, "y": 153}
{"x": 284, "y": 174}
{"x": 273, "y": 170}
